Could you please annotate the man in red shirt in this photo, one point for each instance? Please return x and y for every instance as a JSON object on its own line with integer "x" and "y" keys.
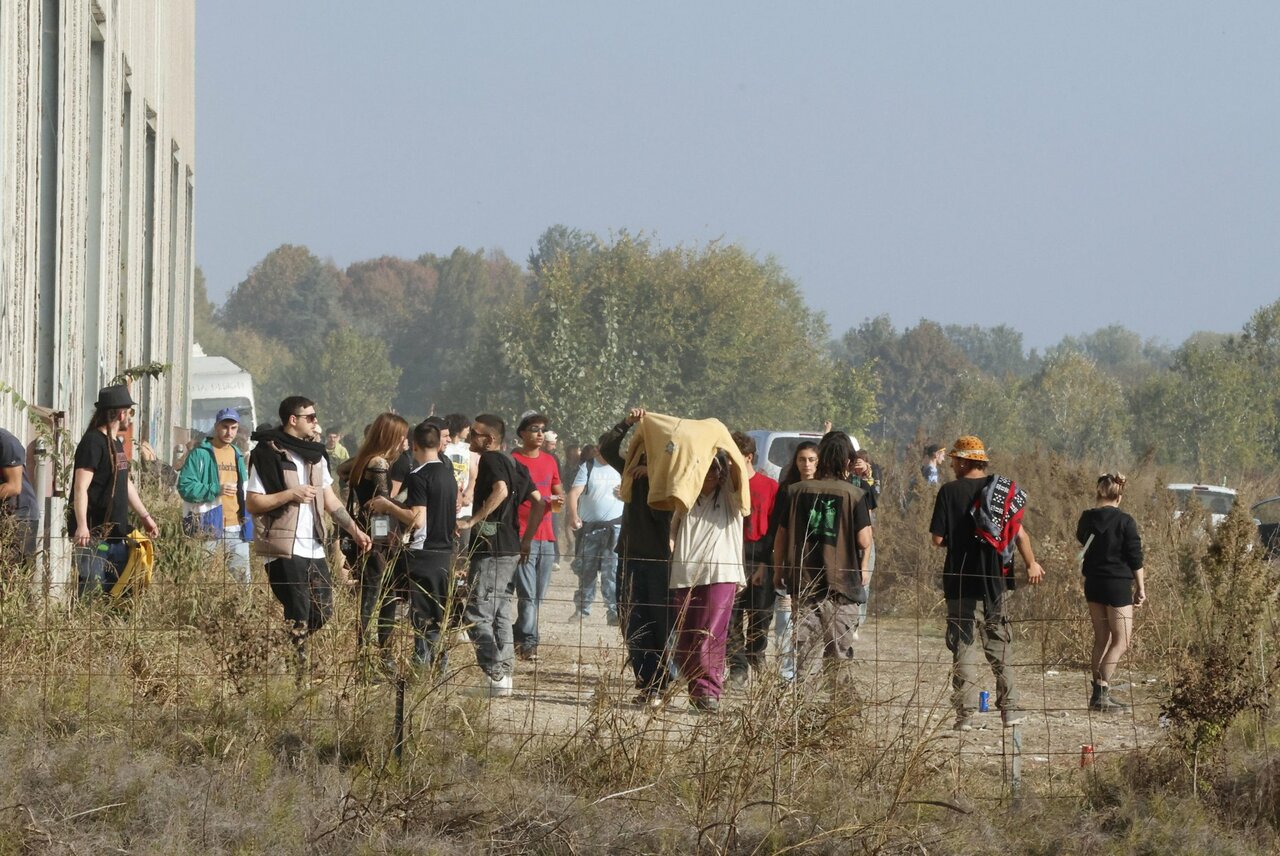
{"x": 533, "y": 576}
{"x": 754, "y": 604}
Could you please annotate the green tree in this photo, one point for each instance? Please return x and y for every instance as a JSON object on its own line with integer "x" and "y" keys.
{"x": 698, "y": 332}
{"x": 1118, "y": 351}
{"x": 349, "y": 376}
{"x": 1205, "y": 413}
{"x": 204, "y": 325}
{"x": 1074, "y": 408}
{"x": 289, "y": 296}
{"x": 978, "y": 403}
{"x": 451, "y": 355}
{"x": 917, "y": 370}
{"x": 995, "y": 350}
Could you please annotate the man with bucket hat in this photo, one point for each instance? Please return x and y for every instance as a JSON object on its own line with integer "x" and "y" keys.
{"x": 102, "y": 494}
{"x": 978, "y": 519}
{"x": 212, "y": 487}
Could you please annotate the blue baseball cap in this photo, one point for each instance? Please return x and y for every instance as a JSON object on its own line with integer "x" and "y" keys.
{"x": 227, "y": 414}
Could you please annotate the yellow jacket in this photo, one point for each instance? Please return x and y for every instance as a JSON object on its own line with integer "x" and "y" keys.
{"x": 678, "y": 454}
{"x": 137, "y": 571}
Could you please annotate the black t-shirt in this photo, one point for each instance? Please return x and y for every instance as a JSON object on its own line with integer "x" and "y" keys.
{"x": 108, "y": 511}
{"x": 22, "y": 506}
{"x": 374, "y": 481}
{"x": 399, "y": 471}
{"x": 972, "y": 567}
{"x": 433, "y": 486}
{"x": 499, "y": 533}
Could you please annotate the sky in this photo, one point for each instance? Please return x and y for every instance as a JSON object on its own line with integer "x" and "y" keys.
{"x": 1058, "y": 167}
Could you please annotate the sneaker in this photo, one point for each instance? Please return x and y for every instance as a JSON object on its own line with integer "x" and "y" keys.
{"x": 964, "y": 722}
{"x": 738, "y": 681}
{"x": 1015, "y": 716}
{"x": 612, "y": 619}
{"x": 579, "y": 615}
{"x": 529, "y": 655}
{"x": 489, "y": 687}
{"x": 505, "y": 687}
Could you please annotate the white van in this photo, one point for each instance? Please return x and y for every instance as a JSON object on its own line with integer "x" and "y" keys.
{"x": 216, "y": 383}
{"x": 775, "y": 449}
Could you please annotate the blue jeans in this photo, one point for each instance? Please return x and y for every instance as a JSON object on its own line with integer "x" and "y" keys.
{"x": 596, "y": 559}
{"x": 532, "y": 578}
{"x": 99, "y": 566}
{"x": 234, "y": 551}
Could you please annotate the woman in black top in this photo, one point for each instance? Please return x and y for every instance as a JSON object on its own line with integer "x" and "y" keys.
{"x": 378, "y": 568}
{"x": 1111, "y": 562}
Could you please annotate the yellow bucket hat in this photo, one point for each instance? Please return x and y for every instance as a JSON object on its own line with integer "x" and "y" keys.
{"x": 970, "y": 448}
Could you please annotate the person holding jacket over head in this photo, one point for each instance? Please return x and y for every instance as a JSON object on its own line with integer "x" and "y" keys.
{"x": 212, "y": 486}
{"x": 1111, "y": 562}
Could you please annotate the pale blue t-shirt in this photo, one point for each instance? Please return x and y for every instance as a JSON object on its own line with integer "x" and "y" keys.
{"x": 598, "y": 503}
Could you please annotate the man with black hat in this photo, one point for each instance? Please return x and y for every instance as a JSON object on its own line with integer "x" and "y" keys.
{"x": 102, "y": 494}
{"x": 211, "y": 485}
{"x": 289, "y": 489}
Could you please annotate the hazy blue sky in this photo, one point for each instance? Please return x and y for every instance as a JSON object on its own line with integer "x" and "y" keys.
{"x": 1054, "y": 166}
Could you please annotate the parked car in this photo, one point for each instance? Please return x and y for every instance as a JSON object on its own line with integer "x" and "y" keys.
{"x": 775, "y": 449}
{"x": 1216, "y": 500}
{"x": 1266, "y": 514}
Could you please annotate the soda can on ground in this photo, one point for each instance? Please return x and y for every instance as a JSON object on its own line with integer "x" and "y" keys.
{"x": 1086, "y": 754}
{"x": 984, "y": 701}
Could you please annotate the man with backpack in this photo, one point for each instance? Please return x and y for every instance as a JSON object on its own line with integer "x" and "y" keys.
{"x": 978, "y": 519}
{"x": 211, "y": 485}
{"x": 595, "y": 514}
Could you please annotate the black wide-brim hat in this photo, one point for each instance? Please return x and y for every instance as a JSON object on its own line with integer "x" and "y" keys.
{"x": 114, "y": 398}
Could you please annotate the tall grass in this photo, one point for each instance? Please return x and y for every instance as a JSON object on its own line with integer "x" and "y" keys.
{"x": 176, "y": 723}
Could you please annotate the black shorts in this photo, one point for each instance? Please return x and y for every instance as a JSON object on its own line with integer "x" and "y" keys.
{"x": 1108, "y": 591}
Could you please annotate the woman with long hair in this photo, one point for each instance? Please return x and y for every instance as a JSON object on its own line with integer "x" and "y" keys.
{"x": 706, "y": 573}
{"x": 369, "y": 477}
{"x": 803, "y": 467}
{"x": 1111, "y": 562}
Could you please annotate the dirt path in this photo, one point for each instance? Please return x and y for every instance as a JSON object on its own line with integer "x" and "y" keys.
{"x": 903, "y": 677}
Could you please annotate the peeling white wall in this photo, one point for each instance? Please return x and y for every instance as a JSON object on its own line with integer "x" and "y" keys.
{"x": 148, "y": 46}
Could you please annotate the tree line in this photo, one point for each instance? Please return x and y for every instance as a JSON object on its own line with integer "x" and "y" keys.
{"x": 589, "y": 326}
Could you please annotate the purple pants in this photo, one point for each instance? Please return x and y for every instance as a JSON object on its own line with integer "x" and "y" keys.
{"x": 701, "y": 616}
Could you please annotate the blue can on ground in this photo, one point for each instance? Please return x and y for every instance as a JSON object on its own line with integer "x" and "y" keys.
{"x": 984, "y": 701}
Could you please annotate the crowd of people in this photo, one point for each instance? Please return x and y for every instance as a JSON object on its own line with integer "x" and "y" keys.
{"x": 695, "y": 552}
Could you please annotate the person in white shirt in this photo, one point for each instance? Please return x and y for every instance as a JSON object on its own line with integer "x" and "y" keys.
{"x": 706, "y": 573}
{"x": 595, "y": 514}
{"x": 288, "y": 490}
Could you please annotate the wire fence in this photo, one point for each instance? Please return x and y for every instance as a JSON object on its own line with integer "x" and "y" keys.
{"x": 204, "y": 655}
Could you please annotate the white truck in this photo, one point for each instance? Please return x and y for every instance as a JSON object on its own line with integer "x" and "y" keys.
{"x": 217, "y": 383}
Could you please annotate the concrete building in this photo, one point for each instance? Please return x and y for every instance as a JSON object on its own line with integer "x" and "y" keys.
{"x": 97, "y": 187}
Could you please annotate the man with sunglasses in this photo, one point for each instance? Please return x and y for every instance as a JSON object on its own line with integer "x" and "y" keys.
{"x": 102, "y": 494}
{"x": 289, "y": 488}
{"x": 502, "y": 484}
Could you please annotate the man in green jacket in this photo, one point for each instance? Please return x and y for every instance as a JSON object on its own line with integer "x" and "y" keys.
{"x": 211, "y": 485}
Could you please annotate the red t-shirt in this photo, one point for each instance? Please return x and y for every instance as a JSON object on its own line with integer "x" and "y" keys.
{"x": 764, "y": 492}
{"x": 545, "y": 473}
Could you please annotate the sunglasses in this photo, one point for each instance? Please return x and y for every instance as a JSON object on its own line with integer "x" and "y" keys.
{"x": 537, "y": 429}
{"x": 310, "y": 417}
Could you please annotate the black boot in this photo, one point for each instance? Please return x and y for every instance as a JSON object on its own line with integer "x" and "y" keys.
{"x": 1103, "y": 702}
